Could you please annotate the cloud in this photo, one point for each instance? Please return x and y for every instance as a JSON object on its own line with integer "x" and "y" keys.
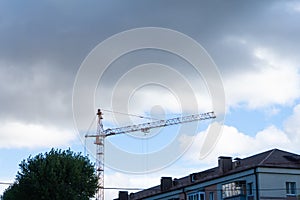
{"x": 37, "y": 93}
{"x": 291, "y": 125}
{"x": 15, "y": 134}
{"x": 62, "y": 35}
{"x": 234, "y": 143}
{"x": 272, "y": 81}
{"x": 4, "y": 184}
{"x": 142, "y": 181}
{"x": 122, "y": 180}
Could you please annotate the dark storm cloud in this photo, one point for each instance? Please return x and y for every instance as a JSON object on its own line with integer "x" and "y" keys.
{"x": 56, "y": 31}
{"x": 43, "y": 43}
{"x": 66, "y": 31}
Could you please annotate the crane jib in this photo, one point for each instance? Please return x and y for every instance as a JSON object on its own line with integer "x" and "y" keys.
{"x": 144, "y": 127}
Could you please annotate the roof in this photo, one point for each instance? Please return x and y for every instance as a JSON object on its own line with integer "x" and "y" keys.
{"x": 274, "y": 158}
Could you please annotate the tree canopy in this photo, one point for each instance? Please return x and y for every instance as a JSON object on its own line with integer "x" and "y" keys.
{"x": 58, "y": 174}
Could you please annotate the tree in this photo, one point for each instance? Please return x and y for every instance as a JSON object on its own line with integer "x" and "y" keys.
{"x": 56, "y": 175}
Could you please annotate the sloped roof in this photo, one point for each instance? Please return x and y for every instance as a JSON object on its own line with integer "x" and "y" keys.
{"x": 274, "y": 158}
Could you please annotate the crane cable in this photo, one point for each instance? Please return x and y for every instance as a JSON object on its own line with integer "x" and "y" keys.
{"x": 133, "y": 115}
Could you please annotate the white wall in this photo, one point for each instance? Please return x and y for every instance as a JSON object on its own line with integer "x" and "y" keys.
{"x": 272, "y": 182}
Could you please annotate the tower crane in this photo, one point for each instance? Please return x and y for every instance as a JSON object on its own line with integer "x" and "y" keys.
{"x": 102, "y": 133}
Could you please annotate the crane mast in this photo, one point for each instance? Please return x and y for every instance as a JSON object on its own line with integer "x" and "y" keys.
{"x": 144, "y": 127}
{"x": 99, "y": 142}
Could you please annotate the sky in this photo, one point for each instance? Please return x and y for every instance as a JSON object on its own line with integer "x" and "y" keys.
{"x": 46, "y": 45}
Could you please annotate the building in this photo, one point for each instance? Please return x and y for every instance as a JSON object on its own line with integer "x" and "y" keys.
{"x": 270, "y": 175}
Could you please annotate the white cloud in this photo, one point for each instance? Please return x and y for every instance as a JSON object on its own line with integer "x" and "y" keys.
{"x": 291, "y": 125}
{"x": 4, "y": 185}
{"x": 274, "y": 81}
{"x": 158, "y": 103}
{"x": 20, "y": 135}
{"x": 234, "y": 143}
{"x": 268, "y": 80}
{"x": 122, "y": 180}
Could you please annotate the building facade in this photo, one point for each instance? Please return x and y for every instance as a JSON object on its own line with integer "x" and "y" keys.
{"x": 271, "y": 175}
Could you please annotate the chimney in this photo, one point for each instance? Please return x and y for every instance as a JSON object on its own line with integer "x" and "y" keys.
{"x": 123, "y": 195}
{"x": 175, "y": 182}
{"x": 193, "y": 177}
{"x": 225, "y": 164}
{"x": 237, "y": 162}
{"x": 165, "y": 183}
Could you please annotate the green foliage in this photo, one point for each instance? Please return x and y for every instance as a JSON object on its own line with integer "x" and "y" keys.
{"x": 58, "y": 175}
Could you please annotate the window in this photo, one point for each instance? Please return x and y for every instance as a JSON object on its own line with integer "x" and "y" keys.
{"x": 211, "y": 196}
{"x": 290, "y": 188}
{"x": 236, "y": 188}
{"x": 250, "y": 189}
{"x": 196, "y": 196}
